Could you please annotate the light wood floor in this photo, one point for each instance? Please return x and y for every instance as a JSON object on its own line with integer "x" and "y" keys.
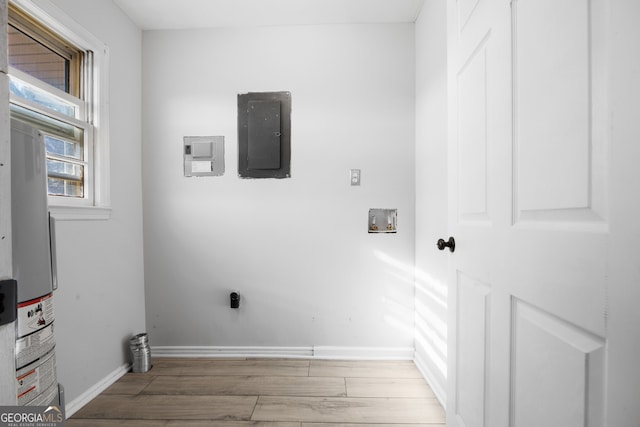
{"x": 266, "y": 393}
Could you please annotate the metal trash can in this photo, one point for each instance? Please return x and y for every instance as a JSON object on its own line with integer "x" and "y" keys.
{"x": 140, "y": 353}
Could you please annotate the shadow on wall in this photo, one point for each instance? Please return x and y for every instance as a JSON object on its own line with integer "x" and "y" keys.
{"x": 430, "y": 307}
{"x": 431, "y": 320}
{"x": 398, "y": 314}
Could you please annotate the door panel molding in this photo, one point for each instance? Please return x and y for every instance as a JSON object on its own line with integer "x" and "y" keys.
{"x": 466, "y": 8}
{"x": 473, "y": 308}
{"x": 559, "y": 134}
{"x": 557, "y": 375}
{"x": 472, "y": 136}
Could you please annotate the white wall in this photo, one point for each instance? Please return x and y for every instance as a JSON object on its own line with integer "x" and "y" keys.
{"x": 297, "y": 249}
{"x": 100, "y": 302}
{"x": 431, "y": 194}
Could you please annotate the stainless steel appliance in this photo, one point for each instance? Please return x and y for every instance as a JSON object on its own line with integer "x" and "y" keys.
{"x": 34, "y": 269}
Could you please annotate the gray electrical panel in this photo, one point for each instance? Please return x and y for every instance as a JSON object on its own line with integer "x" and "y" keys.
{"x": 203, "y": 155}
{"x": 263, "y": 142}
{"x": 264, "y": 135}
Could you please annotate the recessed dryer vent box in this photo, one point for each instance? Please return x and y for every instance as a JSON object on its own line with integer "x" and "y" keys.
{"x": 203, "y": 155}
{"x": 383, "y": 220}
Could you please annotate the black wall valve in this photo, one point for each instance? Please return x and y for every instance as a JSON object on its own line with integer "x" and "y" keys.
{"x": 235, "y": 299}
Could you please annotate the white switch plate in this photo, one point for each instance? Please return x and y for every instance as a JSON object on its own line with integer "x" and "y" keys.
{"x": 355, "y": 176}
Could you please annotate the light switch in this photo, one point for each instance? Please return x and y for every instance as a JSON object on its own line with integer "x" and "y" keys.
{"x": 355, "y": 176}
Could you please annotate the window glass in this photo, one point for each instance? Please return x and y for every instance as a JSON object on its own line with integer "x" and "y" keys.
{"x": 61, "y": 147}
{"x": 34, "y": 58}
{"x": 41, "y": 97}
{"x": 66, "y": 154}
{"x": 44, "y": 86}
{"x": 65, "y": 179}
{"x": 46, "y": 123}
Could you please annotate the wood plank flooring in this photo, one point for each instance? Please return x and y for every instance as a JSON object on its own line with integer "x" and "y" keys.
{"x": 266, "y": 393}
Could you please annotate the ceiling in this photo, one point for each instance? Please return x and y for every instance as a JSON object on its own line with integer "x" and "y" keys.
{"x": 183, "y": 14}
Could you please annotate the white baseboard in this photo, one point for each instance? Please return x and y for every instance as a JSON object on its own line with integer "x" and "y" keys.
{"x": 231, "y": 352}
{"x": 77, "y": 403}
{"x": 363, "y": 353}
{"x": 319, "y": 352}
{"x": 438, "y": 389}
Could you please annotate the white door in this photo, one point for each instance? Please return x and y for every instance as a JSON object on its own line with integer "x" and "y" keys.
{"x": 529, "y": 210}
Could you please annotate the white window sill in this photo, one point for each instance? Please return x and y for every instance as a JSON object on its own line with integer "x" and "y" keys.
{"x": 80, "y": 213}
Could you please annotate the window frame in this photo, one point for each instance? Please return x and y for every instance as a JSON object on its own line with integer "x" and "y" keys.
{"x": 52, "y": 41}
{"x": 93, "y": 116}
{"x": 88, "y": 131}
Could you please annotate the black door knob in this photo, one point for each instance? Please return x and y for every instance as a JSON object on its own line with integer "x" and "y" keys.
{"x": 451, "y": 244}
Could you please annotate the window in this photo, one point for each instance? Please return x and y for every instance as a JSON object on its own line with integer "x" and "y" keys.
{"x": 57, "y": 75}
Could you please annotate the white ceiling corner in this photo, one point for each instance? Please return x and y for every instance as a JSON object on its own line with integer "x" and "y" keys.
{"x": 184, "y": 14}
